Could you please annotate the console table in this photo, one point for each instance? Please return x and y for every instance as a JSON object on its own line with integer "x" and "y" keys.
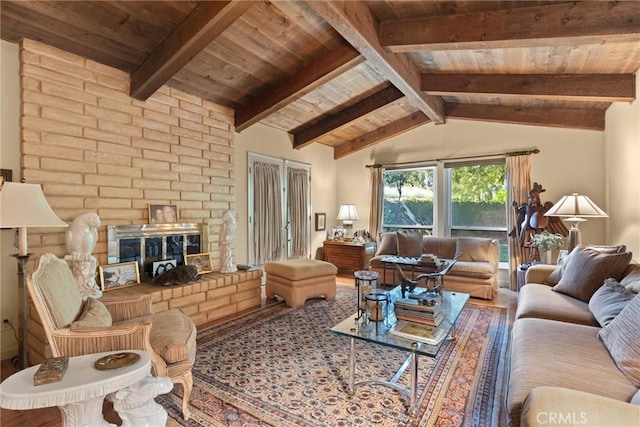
{"x": 80, "y": 393}
{"x": 349, "y": 257}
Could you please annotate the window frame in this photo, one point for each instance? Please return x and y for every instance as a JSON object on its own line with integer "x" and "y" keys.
{"x": 442, "y": 200}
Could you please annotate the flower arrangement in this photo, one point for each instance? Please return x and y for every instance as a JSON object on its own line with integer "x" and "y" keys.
{"x": 546, "y": 241}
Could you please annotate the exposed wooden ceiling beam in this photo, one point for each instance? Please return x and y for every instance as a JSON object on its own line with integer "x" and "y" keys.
{"x": 206, "y": 22}
{"x": 589, "y": 22}
{"x": 381, "y": 134}
{"x": 555, "y": 117}
{"x": 307, "y": 135}
{"x": 577, "y": 87}
{"x": 313, "y": 75}
{"x": 357, "y": 24}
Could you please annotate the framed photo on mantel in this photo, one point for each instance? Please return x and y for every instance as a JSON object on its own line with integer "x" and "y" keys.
{"x": 119, "y": 275}
{"x": 201, "y": 260}
{"x": 163, "y": 214}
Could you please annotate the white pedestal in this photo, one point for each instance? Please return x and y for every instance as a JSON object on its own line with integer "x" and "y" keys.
{"x": 80, "y": 393}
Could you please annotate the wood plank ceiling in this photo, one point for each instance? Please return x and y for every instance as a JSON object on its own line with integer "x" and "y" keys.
{"x": 352, "y": 74}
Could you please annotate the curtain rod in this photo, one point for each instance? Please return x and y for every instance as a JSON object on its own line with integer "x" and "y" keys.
{"x": 507, "y": 154}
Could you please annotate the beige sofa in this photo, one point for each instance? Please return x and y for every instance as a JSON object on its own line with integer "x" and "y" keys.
{"x": 565, "y": 344}
{"x": 475, "y": 271}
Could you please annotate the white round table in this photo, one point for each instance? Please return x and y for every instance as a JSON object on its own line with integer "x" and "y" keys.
{"x": 80, "y": 393}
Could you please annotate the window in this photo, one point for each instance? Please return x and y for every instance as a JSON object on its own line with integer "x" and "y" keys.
{"x": 449, "y": 199}
{"x": 409, "y": 199}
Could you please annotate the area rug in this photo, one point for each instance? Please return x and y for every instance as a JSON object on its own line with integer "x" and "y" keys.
{"x": 282, "y": 367}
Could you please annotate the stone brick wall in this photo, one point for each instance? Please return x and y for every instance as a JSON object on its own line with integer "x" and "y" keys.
{"x": 94, "y": 148}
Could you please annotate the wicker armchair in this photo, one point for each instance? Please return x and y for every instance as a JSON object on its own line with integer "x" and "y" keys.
{"x": 75, "y": 327}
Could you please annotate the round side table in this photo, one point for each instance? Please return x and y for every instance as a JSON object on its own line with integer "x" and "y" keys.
{"x": 80, "y": 394}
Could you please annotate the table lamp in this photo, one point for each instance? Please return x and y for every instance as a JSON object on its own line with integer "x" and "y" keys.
{"x": 23, "y": 206}
{"x": 347, "y": 214}
{"x": 572, "y": 208}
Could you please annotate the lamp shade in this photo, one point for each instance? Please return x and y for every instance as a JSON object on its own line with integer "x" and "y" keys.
{"x": 575, "y": 205}
{"x": 347, "y": 213}
{"x": 24, "y": 205}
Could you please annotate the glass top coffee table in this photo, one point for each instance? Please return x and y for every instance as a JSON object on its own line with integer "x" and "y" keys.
{"x": 358, "y": 327}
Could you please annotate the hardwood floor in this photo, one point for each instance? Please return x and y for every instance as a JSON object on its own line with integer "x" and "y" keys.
{"x": 50, "y": 417}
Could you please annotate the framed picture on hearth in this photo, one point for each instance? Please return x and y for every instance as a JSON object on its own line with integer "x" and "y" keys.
{"x": 121, "y": 275}
{"x": 201, "y": 261}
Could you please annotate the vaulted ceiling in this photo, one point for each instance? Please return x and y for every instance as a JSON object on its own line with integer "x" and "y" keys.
{"x": 352, "y": 74}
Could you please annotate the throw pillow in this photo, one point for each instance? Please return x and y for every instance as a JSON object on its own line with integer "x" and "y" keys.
{"x": 94, "y": 314}
{"x": 608, "y": 301}
{"x": 387, "y": 244}
{"x": 586, "y": 270}
{"x": 615, "y": 249}
{"x": 631, "y": 279}
{"x": 622, "y": 339}
{"x": 409, "y": 243}
{"x": 472, "y": 249}
{"x": 556, "y": 275}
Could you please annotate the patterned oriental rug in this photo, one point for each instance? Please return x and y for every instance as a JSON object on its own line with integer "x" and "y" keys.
{"x": 282, "y": 367}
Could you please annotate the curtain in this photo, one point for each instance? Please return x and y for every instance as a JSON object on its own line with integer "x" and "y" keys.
{"x": 298, "y": 180}
{"x": 518, "y": 186}
{"x": 375, "y": 208}
{"x": 267, "y": 212}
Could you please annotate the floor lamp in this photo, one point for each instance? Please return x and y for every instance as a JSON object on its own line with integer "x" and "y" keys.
{"x": 24, "y": 206}
{"x": 572, "y": 209}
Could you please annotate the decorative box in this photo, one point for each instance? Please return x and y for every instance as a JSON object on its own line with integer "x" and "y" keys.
{"x": 51, "y": 371}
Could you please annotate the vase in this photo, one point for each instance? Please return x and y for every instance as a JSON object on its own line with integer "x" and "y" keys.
{"x": 546, "y": 257}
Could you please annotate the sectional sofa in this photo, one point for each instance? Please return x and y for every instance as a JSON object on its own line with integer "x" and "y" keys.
{"x": 575, "y": 345}
{"x": 475, "y": 271}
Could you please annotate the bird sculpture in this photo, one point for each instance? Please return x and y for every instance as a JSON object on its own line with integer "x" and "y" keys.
{"x": 82, "y": 236}
{"x": 81, "y": 240}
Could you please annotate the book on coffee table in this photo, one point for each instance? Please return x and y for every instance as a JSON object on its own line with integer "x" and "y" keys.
{"x": 424, "y": 333}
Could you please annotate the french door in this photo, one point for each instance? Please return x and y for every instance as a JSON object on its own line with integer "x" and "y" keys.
{"x": 279, "y": 209}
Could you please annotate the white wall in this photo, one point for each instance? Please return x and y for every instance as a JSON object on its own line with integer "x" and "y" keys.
{"x": 267, "y": 140}
{"x": 622, "y": 171}
{"x": 569, "y": 160}
{"x": 9, "y": 159}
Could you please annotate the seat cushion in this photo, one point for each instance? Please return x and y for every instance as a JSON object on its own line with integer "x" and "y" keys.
{"x": 550, "y": 353}
{"x": 480, "y": 270}
{"x": 302, "y": 268}
{"x": 539, "y": 301}
{"x": 173, "y": 334}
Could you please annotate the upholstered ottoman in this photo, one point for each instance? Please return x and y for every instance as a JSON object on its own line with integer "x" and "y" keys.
{"x": 297, "y": 280}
